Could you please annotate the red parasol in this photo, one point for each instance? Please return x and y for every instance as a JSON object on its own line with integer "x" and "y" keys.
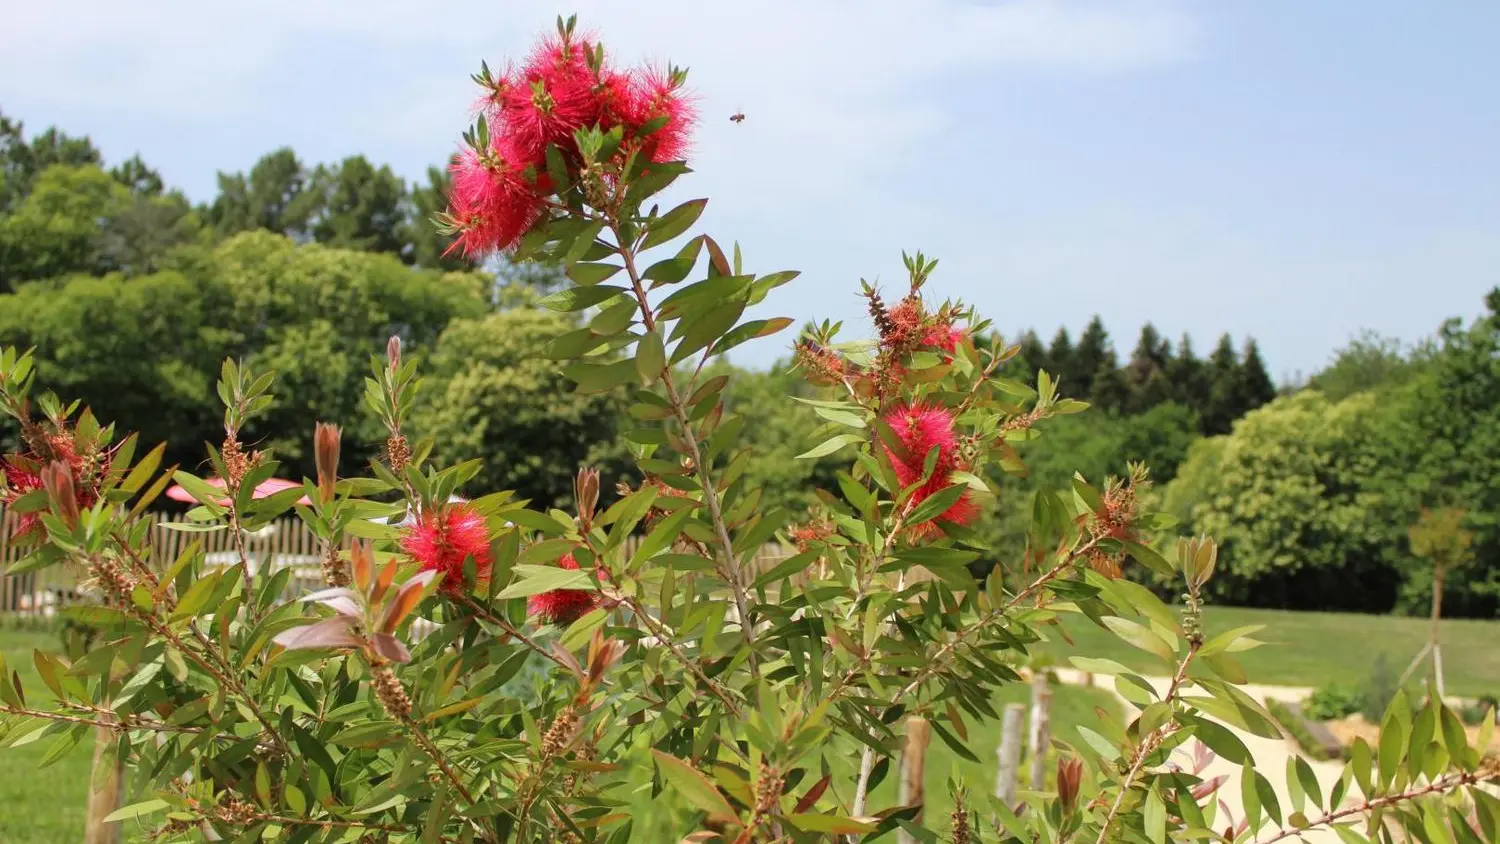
{"x": 266, "y": 488}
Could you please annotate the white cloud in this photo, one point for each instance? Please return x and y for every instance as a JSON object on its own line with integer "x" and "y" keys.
{"x": 857, "y": 81}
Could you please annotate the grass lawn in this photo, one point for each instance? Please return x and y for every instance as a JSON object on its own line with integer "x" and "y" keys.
{"x": 47, "y": 805}
{"x": 1312, "y": 648}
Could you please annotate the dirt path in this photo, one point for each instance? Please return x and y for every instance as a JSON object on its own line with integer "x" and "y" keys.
{"x": 1270, "y": 755}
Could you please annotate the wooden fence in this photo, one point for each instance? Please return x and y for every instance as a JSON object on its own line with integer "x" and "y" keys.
{"x": 286, "y": 542}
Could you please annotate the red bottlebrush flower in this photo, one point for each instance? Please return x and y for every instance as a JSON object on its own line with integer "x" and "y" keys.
{"x": 553, "y": 95}
{"x": 494, "y": 198}
{"x": 656, "y": 96}
{"x": 613, "y": 99}
{"x": 945, "y": 336}
{"x": 441, "y": 541}
{"x": 920, "y": 428}
{"x": 902, "y": 323}
{"x": 20, "y": 480}
{"x": 562, "y": 606}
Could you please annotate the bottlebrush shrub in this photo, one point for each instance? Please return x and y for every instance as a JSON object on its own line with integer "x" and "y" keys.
{"x": 683, "y": 686}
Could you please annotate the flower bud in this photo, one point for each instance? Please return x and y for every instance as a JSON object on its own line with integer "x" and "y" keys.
{"x": 1069, "y": 776}
{"x": 326, "y": 438}
{"x": 586, "y": 493}
{"x": 393, "y": 352}
{"x": 362, "y": 558}
{"x": 57, "y": 479}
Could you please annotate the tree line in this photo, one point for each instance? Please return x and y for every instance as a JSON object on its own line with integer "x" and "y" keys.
{"x": 1220, "y": 389}
{"x": 63, "y": 210}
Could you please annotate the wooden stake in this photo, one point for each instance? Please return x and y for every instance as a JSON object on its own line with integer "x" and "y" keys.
{"x": 1041, "y": 730}
{"x": 914, "y": 771}
{"x": 104, "y": 790}
{"x": 1009, "y": 753}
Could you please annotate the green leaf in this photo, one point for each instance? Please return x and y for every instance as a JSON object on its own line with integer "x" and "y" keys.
{"x": 599, "y": 378}
{"x": 675, "y": 269}
{"x": 843, "y": 417}
{"x": 579, "y": 298}
{"x": 1150, "y": 558}
{"x": 829, "y": 446}
{"x": 534, "y": 580}
{"x": 1140, "y": 636}
{"x": 368, "y": 734}
{"x": 751, "y": 330}
{"x": 1155, "y": 815}
{"x": 135, "y": 810}
{"x": 196, "y": 598}
{"x": 1456, "y": 739}
{"x": 1309, "y": 782}
{"x": 695, "y": 787}
{"x": 1218, "y": 738}
{"x": 786, "y": 568}
{"x": 1098, "y": 666}
{"x": 673, "y": 223}
{"x": 1392, "y": 741}
{"x": 205, "y": 493}
{"x": 936, "y": 504}
{"x": 1226, "y": 641}
{"x": 831, "y": 824}
{"x": 650, "y": 357}
{"x": 579, "y": 632}
{"x": 587, "y": 275}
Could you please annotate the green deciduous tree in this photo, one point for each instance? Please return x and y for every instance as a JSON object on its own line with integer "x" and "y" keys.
{"x": 22, "y": 161}
{"x": 1368, "y": 362}
{"x": 493, "y": 394}
{"x": 358, "y": 206}
{"x": 1300, "y": 494}
{"x": 270, "y": 197}
{"x": 54, "y": 229}
{"x": 146, "y": 350}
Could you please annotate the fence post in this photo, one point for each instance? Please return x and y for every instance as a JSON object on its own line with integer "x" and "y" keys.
{"x": 914, "y": 771}
{"x": 104, "y": 790}
{"x": 1041, "y": 729}
{"x": 1009, "y": 753}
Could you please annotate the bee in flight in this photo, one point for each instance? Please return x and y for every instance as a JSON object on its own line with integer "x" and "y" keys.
{"x": 737, "y": 117}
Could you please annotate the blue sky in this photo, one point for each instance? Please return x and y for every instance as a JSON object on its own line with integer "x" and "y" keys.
{"x": 1289, "y": 170}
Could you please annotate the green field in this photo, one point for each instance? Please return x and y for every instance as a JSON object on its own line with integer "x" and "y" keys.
{"x": 47, "y": 805}
{"x": 1312, "y": 648}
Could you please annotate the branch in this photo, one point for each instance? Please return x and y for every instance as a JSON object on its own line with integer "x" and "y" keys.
{"x": 934, "y": 663}
{"x": 1148, "y": 745}
{"x": 126, "y": 724}
{"x": 731, "y": 569}
{"x": 483, "y": 613}
{"x": 665, "y": 637}
{"x": 1441, "y": 784}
